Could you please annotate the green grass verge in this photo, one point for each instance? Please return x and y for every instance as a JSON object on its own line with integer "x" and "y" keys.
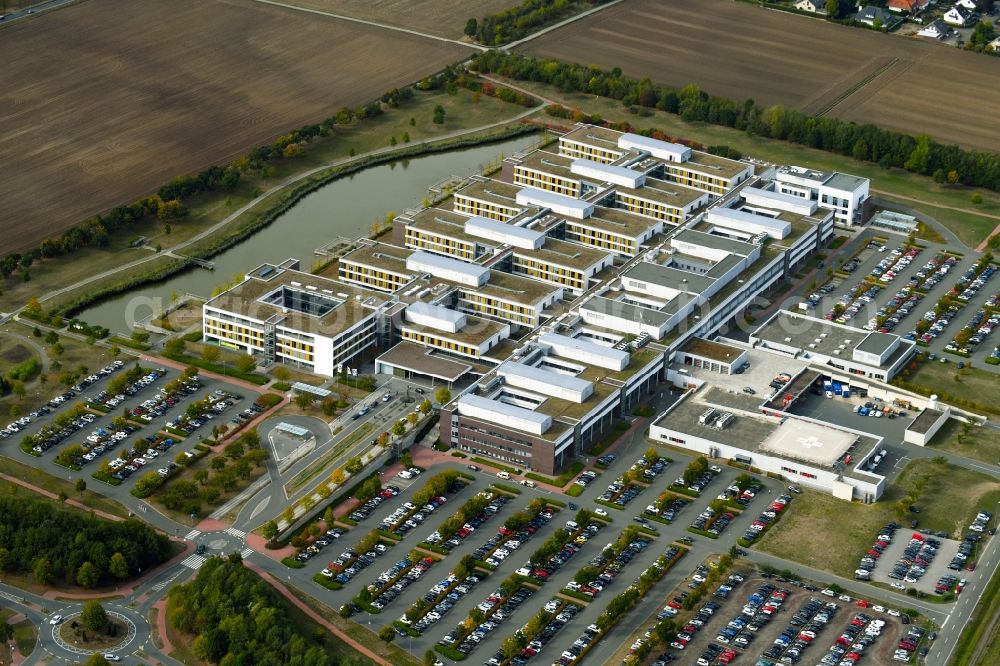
{"x": 219, "y": 368}
{"x": 575, "y": 490}
{"x": 695, "y": 530}
{"x": 449, "y": 652}
{"x": 292, "y": 563}
{"x": 610, "y": 505}
{"x": 128, "y": 342}
{"x": 328, "y": 583}
{"x": 495, "y": 465}
{"x": 980, "y": 629}
{"x": 560, "y": 480}
{"x": 512, "y": 490}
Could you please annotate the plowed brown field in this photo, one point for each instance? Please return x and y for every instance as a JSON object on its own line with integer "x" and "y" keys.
{"x": 105, "y": 100}
{"x": 740, "y": 51}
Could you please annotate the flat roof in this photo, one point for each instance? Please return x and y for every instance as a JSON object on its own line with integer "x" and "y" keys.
{"x": 515, "y": 288}
{"x": 380, "y": 255}
{"x": 495, "y": 191}
{"x": 476, "y": 331}
{"x": 811, "y": 334}
{"x": 713, "y": 350}
{"x": 665, "y": 276}
{"x": 566, "y": 253}
{"x": 422, "y": 360}
{"x": 554, "y": 163}
{"x": 809, "y": 442}
{"x": 615, "y": 308}
{"x": 712, "y": 165}
{"x": 664, "y": 192}
{"x": 877, "y": 343}
{"x": 617, "y": 221}
{"x": 844, "y": 181}
{"x": 560, "y": 204}
{"x": 494, "y": 230}
{"x": 924, "y": 420}
{"x": 446, "y": 268}
{"x": 713, "y": 241}
{"x": 599, "y": 136}
{"x": 245, "y": 299}
{"x": 446, "y": 223}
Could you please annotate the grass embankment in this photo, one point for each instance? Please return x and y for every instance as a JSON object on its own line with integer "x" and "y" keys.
{"x": 462, "y": 111}
{"x": 970, "y": 227}
{"x": 979, "y": 644}
{"x": 321, "y": 464}
{"x": 66, "y": 362}
{"x": 979, "y": 443}
{"x": 25, "y": 633}
{"x": 56, "y": 485}
{"x": 831, "y": 534}
{"x": 970, "y": 387}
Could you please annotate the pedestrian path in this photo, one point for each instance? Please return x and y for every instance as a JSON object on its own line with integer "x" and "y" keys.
{"x": 192, "y": 535}
{"x": 194, "y": 562}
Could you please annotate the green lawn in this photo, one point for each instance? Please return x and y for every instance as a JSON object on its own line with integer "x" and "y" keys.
{"x": 979, "y": 443}
{"x": 25, "y": 633}
{"x": 969, "y": 387}
{"x": 968, "y": 226}
{"x": 831, "y": 534}
{"x": 57, "y": 485}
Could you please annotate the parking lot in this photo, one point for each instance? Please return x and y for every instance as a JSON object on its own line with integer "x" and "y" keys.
{"x": 937, "y": 567}
{"x": 101, "y": 429}
{"x": 868, "y": 260}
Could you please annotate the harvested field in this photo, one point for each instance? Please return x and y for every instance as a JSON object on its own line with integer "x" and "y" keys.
{"x": 105, "y": 101}
{"x": 435, "y": 17}
{"x": 739, "y": 51}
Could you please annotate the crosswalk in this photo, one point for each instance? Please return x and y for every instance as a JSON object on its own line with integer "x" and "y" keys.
{"x": 232, "y": 531}
{"x": 194, "y": 562}
{"x": 192, "y": 535}
{"x": 247, "y": 552}
{"x": 163, "y": 583}
{"x": 11, "y": 597}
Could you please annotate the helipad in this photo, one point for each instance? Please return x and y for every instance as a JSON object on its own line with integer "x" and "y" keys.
{"x": 809, "y": 442}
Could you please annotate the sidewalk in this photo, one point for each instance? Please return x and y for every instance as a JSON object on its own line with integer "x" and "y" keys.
{"x": 358, "y": 647}
{"x": 205, "y": 373}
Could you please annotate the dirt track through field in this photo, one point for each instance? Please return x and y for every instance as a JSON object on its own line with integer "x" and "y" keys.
{"x": 740, "y": 51}
{"x": 106, "y": 100}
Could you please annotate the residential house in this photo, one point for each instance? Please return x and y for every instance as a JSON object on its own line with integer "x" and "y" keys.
{"x": 912, "y": 7}
{"x": 959, "y": 16}
{"x": 994, "y": 45}
{"x": 971, "y": 5}
{"x": 814, "y": 6}
{"x": 871, "y": 14}
{"x": 936, "y": 30}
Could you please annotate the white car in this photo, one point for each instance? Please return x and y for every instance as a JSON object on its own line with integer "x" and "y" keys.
{"x": 112, "y": 657}
{"x": 600, "y": 512}
{"x": 897, "y": 586}
{"x": 893, "y": 612}
{"x": 55, "y": 619}
{"x": 404, "y": 474}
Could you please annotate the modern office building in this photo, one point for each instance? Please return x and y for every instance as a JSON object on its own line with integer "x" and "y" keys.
{"x": 287, "y": 316}
{"x": 843, "y": 193}
{"x": 660, "y": 159}
{"x": 825, "y": 343}
{"x": 377, "y": 266}
{"x": 553, "y": 398}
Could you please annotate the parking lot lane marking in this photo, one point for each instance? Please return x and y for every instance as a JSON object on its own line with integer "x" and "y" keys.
{"x": 902, "y": 462}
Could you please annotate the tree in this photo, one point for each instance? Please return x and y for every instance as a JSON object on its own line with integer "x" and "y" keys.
{"x": 425, "y": 407}
{"x": 353, "y": 465}
{"x": 42, "y": 571}
{"x": 438, "y": 115}
{"x": 406, "y": 459}
{"x": 412, "y": 418}
{"x": 174, "y": 346}
{"x": 471, "y": 27}
{"x": 429, "y": 657}
{"x": 269, "y": 530}
{"x": 210, "y": 354}
{"x": 399, "y": 428}
{"x": 282, "y": 374}
{"x": 201, "y": 476}
{"x": 977, "y": 198}
{"x": 246, "y": 363}
{"x": 387, "y": 633}
{"x": 81, "y": 485}
{"x": 832, "y": 8}
{"x": 93, "y": 616}
{"x": 118, "y": 566}
{"x": 442, "y": 395}
{"x": 304, "y": 400}
{"x": 337, "y": 476}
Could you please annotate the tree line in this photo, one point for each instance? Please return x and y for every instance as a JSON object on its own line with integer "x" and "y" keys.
{"x": 520, "y": 20}
{"x": 59, "y": 546}
{"x": 866, "y": 142}
{"x": 234, "y": 617}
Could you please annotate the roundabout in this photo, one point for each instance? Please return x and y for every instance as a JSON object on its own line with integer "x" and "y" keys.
{"x": 123, "y": 617}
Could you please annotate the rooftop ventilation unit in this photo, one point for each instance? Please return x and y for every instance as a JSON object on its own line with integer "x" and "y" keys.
{"x": 707, "y": 416}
